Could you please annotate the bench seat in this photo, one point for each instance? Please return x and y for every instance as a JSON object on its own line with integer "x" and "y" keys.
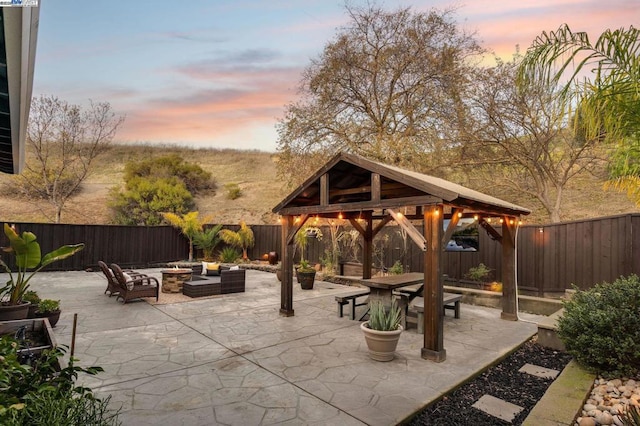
{"x": 352, "y": 299}
{"x": 450, "y": 301}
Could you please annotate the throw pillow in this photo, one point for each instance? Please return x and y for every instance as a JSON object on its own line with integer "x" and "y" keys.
{"x": 234, "y": 268}
{"x": 127, "y": 278}
{"x": 204, "y": 268}
{"x": 213, "y": 269}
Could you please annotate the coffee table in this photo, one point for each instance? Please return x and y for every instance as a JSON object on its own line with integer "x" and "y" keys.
{"x": 201, "y": 286}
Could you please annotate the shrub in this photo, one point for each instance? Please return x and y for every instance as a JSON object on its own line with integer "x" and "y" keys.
{"x": 397, "y": 268}
{"x": 31, "y": 296}
{"x": 229, "y": 255}
{"x": 48, "y": 305}
{"x": 233, "y": 190}
{"x": 601, "y": 327}
{"x": 39, "y": 392}
{"x": 478, "y": 273}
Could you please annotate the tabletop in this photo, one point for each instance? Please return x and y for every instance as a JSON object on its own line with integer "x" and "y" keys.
{"x": 391, "y": 282}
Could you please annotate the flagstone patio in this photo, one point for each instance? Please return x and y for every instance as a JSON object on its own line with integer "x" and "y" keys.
{"x": 234, "y": 360}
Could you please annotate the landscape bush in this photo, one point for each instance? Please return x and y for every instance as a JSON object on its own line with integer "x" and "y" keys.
{"x": 233, "y": 190}
{"x": 36, "y": 391}
{"x": 600, "y": 327}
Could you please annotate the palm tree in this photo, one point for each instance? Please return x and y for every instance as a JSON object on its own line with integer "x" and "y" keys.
{"x": 609, "y": 101}
{"x": 607, "y": 105}
{"x": 242, "y": 239}
{"x": 207, "y": 240}
{"x": 189, "y": 225}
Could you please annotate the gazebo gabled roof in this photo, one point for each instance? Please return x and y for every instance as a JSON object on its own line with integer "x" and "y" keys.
{"x": 349, "y": 182}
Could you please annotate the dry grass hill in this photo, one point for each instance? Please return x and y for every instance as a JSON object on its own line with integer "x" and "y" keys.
{"x": 255, "y": 173}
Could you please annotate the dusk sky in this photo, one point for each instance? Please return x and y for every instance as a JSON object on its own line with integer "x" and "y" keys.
{"x": 218, "y": 73}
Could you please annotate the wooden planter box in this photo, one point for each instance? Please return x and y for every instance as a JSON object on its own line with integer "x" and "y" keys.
{"x": 32, "y": 325}
{"x": 354, "y": 269}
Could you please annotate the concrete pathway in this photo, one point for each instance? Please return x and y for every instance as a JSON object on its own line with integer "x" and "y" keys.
{"x": 233, "y": 360}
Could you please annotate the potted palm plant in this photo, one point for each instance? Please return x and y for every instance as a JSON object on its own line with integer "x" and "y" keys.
{"x": 27, "y": 254}
{"x": 382, "y": 330}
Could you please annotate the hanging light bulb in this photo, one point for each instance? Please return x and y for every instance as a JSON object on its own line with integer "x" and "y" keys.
{"x": 459, "y": 214}
{"x": 340, "y": 215}
{"x": 475, "y": 217}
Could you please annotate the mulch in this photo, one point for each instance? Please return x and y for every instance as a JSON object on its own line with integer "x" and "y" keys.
{"x": 502, "y": 381}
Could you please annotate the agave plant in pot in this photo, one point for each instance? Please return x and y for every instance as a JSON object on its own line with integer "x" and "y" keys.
{"x": 383, "y": 330}
{"x": 28, "y": 261}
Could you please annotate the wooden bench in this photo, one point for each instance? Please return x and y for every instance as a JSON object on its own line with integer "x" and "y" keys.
{"x": 450, "y": 301}
{"x": 351, "y": 299}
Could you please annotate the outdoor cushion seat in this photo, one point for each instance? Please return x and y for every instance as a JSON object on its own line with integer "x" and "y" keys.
{"x": 135, "y": 287}
{"x": 112, "y": 283}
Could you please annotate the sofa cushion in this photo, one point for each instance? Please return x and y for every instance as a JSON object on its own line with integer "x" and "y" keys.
{"x": 210, "y": 269}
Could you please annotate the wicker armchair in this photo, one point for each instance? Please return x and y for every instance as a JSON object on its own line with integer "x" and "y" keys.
{"x": 135, "y": 287}
{"x": 112, "y": 283}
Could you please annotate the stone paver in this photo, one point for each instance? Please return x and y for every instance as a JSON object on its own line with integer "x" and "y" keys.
{"x": 497, "y": 407}
{"x": 542, "y": 372}
{"x": 235, "y": 360}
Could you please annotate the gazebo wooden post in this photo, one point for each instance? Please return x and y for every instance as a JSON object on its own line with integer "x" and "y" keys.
{"x": 509, "y": 293}
{"x": 286, "y": 285}
{"x": 367, "y": 249}
{"x": 433, "y": 293}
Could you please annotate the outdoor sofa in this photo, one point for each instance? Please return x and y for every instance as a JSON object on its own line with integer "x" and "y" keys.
{"x": 227, "y": 280}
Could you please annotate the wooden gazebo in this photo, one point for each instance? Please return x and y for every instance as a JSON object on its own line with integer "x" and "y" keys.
{"x": 369, "y": 195}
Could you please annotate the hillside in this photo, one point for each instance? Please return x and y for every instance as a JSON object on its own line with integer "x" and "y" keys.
{"x": 255, "y": 173}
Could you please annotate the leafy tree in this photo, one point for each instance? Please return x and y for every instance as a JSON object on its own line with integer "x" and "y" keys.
{"x": 518, "y": 138}
{"x": 189, "y": 224}
{"x": 207, "y": 240}
{"x": 381, "y": 88}
{"x": 155, "y": 186}
{"x": 63, "y": 141}
{"x": 143, "y": 200}
{"x": 192, "y": 175}
{"x": 243, "y": 238}
{"x": 608, "y": 99}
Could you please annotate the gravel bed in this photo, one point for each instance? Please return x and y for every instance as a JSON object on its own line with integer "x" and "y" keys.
{"x": 502, "y": 381}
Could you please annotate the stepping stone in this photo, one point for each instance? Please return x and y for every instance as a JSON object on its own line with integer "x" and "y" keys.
{"x": 496, "y": 407}
{"x": 536, "y": 370}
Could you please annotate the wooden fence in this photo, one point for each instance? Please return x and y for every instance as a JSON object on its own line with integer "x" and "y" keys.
{"x": 550, "y": 257}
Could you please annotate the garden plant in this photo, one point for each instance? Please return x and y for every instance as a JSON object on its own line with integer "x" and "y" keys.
{"x": 601, "y": 327}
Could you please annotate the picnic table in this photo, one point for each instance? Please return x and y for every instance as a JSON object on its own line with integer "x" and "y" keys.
{"x": 381, "y": 288}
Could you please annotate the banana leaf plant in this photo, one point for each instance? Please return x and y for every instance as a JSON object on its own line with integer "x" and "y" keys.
{"x": 28, "y": 257}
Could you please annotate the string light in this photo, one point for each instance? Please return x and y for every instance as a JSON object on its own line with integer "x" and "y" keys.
{"x": 340, "y": 215}
{"x": 488, "y": 220}
{"x": 436, "y": 212}
{"x": 475, "y": 217}
{"x": 459, "y": 214}
{"x": 501, "y": 220}
{"x": 512, "y": 221}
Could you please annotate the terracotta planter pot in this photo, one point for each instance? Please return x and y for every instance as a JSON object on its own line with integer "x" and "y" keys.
{"x": 14, "y": 312}
{"x": 382, "y": 344}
